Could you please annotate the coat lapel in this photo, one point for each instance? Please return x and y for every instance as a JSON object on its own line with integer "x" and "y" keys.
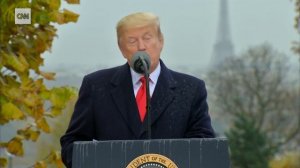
{"x": 162, "y": 97}
{"x": 123, "y": 96}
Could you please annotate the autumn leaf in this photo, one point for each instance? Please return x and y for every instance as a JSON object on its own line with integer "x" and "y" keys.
{"x": 14, "y": 62}
{"x": 288, "y": 160}
{"x": 24, "y": 76}
{"x": 36, "y": 62}
{"x": 24, "y": 94}
{"x": 56, "y": 159}
{"x": 32, "y": 99}
{"x": 57, "y": 17}
{"x": 10, "y": 111}
{"x": 40, "y": 164}
{"x": 29, "y": 134}
{"x": 54, "y": 4}
{"x": 45, "y": 94}
{"x": 43, "y": 125}
{"x": 28, "y": 110}
{"x": 59, "y": 163}
{"x": 39, "y": 83}
{"x": 15, "y": 147}
{"x": 11, "y": 81}
{"x": 48, "y": 75}
{"x": 3, "y": 120}
{"x": 64, "y": 17}
{"x": 59, "y": 96}
{"x": 73, "y": 1}
{"x": 55, "y": 112}
{"x": 13, "y": 93}
{"x": 3, "y": 162}
{"x": 41, "y": 17}
{"x": 23, "y": 61}
{"x": 70, "y": 16}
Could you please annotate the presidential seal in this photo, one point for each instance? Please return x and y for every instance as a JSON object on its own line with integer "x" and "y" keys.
{"x": 151, "y": 161}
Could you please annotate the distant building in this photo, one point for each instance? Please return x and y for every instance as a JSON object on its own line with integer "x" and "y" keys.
{"x": 223, "y": 47}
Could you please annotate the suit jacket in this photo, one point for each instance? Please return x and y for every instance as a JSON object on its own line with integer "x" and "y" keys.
{"x": 106, "y": 109}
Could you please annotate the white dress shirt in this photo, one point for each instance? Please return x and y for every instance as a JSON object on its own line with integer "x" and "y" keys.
{"x": 152, "y": 80}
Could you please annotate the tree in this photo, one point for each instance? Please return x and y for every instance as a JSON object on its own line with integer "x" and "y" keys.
{"x": 248, "y": 144}
{"x": 50, "y": 142}
{"x": 257, "y": 84}
{"x": 23, "y": 94}
{"x": 296, "y": 44}
{"x": 287, "y": 160}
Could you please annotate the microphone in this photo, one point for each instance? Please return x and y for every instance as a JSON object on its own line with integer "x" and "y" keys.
{"x": 140, "y": 62}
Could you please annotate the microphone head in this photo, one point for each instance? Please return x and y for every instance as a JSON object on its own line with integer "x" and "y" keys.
{"x": 137, "y": 64}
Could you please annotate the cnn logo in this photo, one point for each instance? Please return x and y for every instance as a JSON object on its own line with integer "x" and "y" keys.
{"x": 22, "y": 16}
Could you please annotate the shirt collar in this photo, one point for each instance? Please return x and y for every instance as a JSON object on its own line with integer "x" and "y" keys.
{"x": 153, "y": 76}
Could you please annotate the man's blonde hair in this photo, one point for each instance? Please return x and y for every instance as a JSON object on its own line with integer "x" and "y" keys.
{"x": 138, "y": 19}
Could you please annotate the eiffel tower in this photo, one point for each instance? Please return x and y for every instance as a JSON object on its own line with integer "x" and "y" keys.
{"x": 223, "y": 47}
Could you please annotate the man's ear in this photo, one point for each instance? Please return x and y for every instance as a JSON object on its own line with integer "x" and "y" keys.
{"x": 119, "y": 44}
{"x": 161, "y": 39}
{"x": 120, "y": 48}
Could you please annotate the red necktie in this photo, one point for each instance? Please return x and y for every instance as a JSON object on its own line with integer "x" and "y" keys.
{"x": 141, "y": 99}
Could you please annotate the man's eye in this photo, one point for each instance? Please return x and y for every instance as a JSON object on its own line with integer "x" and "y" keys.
{"x": 147, "y": 37}
{"x": 131, "y": 41}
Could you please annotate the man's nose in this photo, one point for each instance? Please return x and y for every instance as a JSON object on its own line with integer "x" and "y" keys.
{"x": 141, "y": 45}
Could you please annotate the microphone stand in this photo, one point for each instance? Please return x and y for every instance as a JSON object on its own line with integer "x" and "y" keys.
{"x": 148, "y": 103}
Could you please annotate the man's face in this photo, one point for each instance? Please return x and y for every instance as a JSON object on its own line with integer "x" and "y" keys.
{"x": 144, "y": 38}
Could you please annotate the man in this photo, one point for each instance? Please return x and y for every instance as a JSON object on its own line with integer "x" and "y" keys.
{"x": 107, "y": 108}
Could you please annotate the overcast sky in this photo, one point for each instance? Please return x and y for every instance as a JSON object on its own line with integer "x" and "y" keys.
{"x": 189, "y": 27}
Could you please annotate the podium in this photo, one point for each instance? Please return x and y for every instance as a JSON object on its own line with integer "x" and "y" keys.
{"x": 160, "y": 153}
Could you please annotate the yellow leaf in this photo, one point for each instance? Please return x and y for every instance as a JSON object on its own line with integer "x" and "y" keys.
{"x": 1, "y": 63}
{"x": 28, "y": 110}
{"x": 35, "y": 61}
{"x": 29, "y": 134}
{"x": 58, "y": 17}
{"x": 3, "y": 162}
{"x": 52, "y": 157}
{"x": 3, "y": 120}
{"x": 34, "y": 135}
{"x": 39, "y": 83}
{"x": 43, "y": 125}
{"x": 14, "y": 62}
{"x": 11, "y": 81}
{"x": 3, "y": 145}
{"x": 10, "y": 111}
{"x": 58, "y": 161}
{"x": 63, "y": 17}
{"x": 287, "y": 160}
{"x": 24, "y": 77}
{"x": 70, "y": 16}
{"x": 73, "y": 1}
{"x": 38, "y": 112}
{"x": 45, "y": 94}
{"x": 40, "y": 164}
{"x": 32, "y": 99}
{"x": 15, "y": 147}
{"x": 56, "y": 111}
{"x": 54, "y": 4}
{"x": 13, "y": 93}
{"x": 48, "y": 75}
{"x": 23, "y": 61}
{"x": 59, "y": 96}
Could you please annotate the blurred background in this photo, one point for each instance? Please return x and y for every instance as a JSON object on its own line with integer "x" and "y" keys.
{"x": 247, "y": 52}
